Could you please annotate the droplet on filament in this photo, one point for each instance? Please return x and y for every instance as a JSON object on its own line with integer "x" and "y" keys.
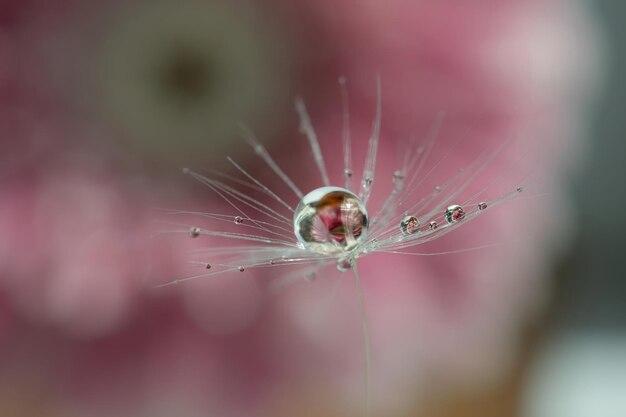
{"x": 331, "y": 220}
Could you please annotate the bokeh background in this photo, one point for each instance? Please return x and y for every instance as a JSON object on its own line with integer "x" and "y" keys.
{"x": 102, "y": 104}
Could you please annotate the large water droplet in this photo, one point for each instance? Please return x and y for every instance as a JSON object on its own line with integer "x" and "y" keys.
{"x": 331, "y": 220}
{"x": 410, "y": 225}
{"x": 454, "y": 214}
{"x": 194, "y": 231}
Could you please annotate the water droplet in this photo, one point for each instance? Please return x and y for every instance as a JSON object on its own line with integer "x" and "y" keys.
{"x": 194, "y": 231}
{"x": 437, "y": 189}
{"x": 238, "y": 220}
{"x": 519, "y": 189}
{"x": 454, "y": 214}
{"x": 433, "y": 225}
{"x": 482, "y": 205}
{"x": 398, "y": 176}
{"x": 208, "y": 266}
{"x": 367, "y": 182}
{"x": 410, "y": 225}
{"x": 241, "y": 268}
{"x": 347, "y": 173}
{"x": 344, "y": 264}
{"x": 331, "y": 220}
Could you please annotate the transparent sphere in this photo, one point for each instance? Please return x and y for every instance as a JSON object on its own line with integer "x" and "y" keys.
{"x": 330, "y": 220}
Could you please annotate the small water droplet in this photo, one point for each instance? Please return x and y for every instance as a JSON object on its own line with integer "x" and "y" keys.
{"x": 185, "y": 171}
{"x": 194, "y": 231}
{"x": 454, "y": 214}
{"x": 241, "y": 268}
{"x": 410, "y": 225}
{"x": 238, "y": 220}
{"x": 433, "y": 225}
{"x": 344, "y": 264}
{"x": 519, "y": 189}
{"x": 437, "y": 189}
{"x": 398, "y": 176}
{"x": 347, "y": 173}
{"x": 208, "y": 266}
{"x": 367, "y": 182}
{"x": 482, "y": 205}
{"x": 272, "y": 262}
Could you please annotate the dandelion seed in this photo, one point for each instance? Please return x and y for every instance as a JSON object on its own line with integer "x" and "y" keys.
{"x": 330, "y": 225}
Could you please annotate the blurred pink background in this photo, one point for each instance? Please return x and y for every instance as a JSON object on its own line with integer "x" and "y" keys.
{"x": 102, "y": 104}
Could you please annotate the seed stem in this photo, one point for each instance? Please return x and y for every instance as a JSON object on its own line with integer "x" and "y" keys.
{"x": 366, "y": 340}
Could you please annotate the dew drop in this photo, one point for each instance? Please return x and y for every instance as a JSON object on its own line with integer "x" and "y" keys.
{"x": 410, "y": 225}
{"x": 207, "y": 266}
{"x": 344, "y": 264}
{"x": 519, "y": 189}
{"x": 398, "y": 176}
{"x": 238, "y": 220}
{"x": 347, "y": 173}
{"x": 433, "y": 225}
{"x": 241, "y": 268}
{"x": 331, "y": 220}
{"x": 194, "y": 231}
{"x": 482, "y": 205}
{"x": 437, "y": 189}
{"x": 454, "y": 214}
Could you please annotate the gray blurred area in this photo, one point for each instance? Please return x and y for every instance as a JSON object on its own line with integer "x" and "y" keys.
{"x": 596, "y": 271}
{"x": 580, "y": 369}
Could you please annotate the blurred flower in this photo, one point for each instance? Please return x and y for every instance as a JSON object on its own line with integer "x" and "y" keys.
{"x": 81, "y": 330}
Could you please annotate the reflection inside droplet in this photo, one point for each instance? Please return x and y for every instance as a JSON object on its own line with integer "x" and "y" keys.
{"x": 331, "y": 220}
